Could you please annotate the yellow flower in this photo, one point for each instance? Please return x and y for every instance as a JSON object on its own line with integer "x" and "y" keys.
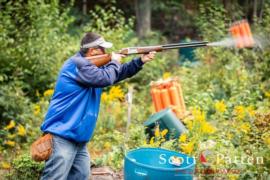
{"x": 157, "y": 133}
{"x": 198, "y": 115}
{"x": 207, "y": 128}
{"x": 245, "y": 127}
{"x": 166, "y": 75}
{"x": 152, "y": 141}
{"x": 164, "y": 132}
{"x": 267, "y": 94}
{"x": 220, "y": 106}
{"x": 266, "y": 138}
{"x": 182, "y": 138}
{"x": 21, "y": 130}
{"x": 229, "y": 136}
{"x": 267, "y": 141}
{"x": 187, "y": 148}
{"x": 251, "y": 111}
{"x": 5, "y": 165}
{"x": 144, "y": 142}
{"x": 189, "y": 124}
{"x": 10, "y": 125}
{"x": 240, "y": 112}
{"x": 116, "y": 93}
{"x": 48, "y": 92}
{"x": 107, "y": 145}
{"x": 233, "y": 176}
{"x": 104, "y": 97}
{"x": 36, "y": 109}
{"x": 10, "y": 143}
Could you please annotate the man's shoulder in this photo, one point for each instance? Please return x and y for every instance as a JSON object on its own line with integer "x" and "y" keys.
{"x": 78, "y": 60}
{"x": 72, "y": 60}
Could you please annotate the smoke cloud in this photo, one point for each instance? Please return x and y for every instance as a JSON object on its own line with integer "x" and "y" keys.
{"x": 259, "y": 42}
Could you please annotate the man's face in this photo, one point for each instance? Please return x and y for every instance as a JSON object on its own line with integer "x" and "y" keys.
{"x": 96, "y": 51}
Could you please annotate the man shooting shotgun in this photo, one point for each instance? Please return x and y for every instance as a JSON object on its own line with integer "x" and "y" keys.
{"x": 74, "y": 107}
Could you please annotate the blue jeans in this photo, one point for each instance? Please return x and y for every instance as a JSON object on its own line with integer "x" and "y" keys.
{"x": 69, "y": 160}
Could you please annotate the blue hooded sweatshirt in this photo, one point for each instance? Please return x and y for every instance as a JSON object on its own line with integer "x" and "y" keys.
{"x": 74, "y": 106}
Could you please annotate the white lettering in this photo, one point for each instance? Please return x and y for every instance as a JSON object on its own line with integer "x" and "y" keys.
{"x": 228, "y": 160}
{"x": 219, "y": 158}
{"x": 162, "y": 157}
{"x": 250, "y": 160}
{"x": 259, "y": 162}
{"x": 243, "y": 159}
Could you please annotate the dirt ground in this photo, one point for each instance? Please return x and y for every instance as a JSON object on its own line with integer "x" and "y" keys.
{"x": 105, "y": 173}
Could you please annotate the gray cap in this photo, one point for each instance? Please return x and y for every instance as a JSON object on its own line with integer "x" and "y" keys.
{"x": 98, "y": 42}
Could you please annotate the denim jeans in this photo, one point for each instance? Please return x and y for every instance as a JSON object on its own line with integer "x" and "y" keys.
{"x": 69, "y": 160}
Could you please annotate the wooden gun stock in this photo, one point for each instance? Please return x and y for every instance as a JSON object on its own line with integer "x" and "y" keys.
{"x": 100, "y": 60}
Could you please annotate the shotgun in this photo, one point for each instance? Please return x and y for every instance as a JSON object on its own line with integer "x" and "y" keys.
{"x": 100, "y": 60}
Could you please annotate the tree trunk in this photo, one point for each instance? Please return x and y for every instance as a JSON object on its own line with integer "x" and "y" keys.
{"x": 143, "y": 17}
{"x": 84, "y": 7}
{"x": 261, "y": 10}
{"x": 247, "y": 8}
{"x": 255, "y": 9}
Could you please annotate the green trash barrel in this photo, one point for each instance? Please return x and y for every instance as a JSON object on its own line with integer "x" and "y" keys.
{"x": 166, "y": 119}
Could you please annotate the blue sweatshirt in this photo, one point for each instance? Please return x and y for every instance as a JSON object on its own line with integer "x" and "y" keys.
{"x": 74, "y": 106}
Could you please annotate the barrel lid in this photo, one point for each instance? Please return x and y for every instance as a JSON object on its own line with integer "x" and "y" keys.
{"x": 152, "y": 119}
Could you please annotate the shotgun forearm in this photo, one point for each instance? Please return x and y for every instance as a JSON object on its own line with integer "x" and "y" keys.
{"x": 140, "y": 50}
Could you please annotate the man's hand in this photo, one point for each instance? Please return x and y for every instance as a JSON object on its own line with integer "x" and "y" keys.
{"x": 148, "y": 57}
{"x": 117, "y": 57}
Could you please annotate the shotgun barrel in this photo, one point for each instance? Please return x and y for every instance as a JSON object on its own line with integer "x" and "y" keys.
{"x": 158, "y": 48}
{"x": 185, "y": 45}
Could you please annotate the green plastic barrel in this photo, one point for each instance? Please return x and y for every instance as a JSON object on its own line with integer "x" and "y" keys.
{"x": 165, "y": 119}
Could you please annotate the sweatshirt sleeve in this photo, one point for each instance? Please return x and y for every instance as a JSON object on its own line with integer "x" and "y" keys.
{"x": 92, "y": 76}
{"x": 129, "y": 69}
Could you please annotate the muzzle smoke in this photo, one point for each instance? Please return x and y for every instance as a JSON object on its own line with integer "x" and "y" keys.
{"x": 259, "y": 42}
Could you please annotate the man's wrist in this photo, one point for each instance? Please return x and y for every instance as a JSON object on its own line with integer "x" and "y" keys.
{"x": 140, "y": 61}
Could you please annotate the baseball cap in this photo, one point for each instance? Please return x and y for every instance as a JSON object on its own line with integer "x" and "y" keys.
{"x": 98, "y": 42}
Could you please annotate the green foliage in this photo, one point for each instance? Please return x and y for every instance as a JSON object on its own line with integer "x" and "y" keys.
{"x": 111, "y": 24}
{"x": 12, "y": 102}
{"x": 261, "y": 29}
{"x": 212, "y": 21}
{"x": 114, "y": 159}
{"x": 24, "y": 168}
{"x": 174, "y": 18}
{"x": 32, "y": 40}
{"x": 136, "y": 136}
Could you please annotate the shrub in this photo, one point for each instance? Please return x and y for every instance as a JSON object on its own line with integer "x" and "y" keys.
{"x": 24, "y": 168}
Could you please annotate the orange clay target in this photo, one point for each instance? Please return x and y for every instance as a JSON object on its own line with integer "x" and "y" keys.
{"x": 241, "y": 33}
